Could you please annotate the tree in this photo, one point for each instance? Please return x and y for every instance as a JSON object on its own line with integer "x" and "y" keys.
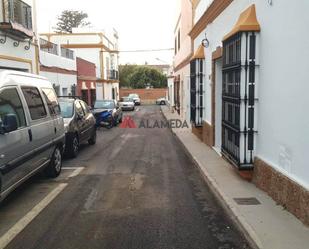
{"x": 125, "y": 73}
{"x": 70, "y": 19}
{"x": 134, "y": 76}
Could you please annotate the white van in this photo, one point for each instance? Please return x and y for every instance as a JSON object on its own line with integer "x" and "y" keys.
{"x": 32, "y": 134}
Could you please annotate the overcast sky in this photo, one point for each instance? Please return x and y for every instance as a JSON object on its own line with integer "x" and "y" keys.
{"x": 141, "y": 24}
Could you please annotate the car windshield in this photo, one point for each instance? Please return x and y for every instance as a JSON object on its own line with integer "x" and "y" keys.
{"x": 66, "y": 109}
{"x": 126, "y": 99}
{"x": 133, "y": 96}
{"x": 104, "y": 104}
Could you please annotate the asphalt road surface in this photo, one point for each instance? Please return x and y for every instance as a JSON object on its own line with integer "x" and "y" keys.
{"x": 136, "y": 188}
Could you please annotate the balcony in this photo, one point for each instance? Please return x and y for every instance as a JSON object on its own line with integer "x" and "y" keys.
{"x": 17, "y": 19}
{"x": 67, "y": 53}
{"x": 112, "y": 75}
{"x": 48, "y": 47}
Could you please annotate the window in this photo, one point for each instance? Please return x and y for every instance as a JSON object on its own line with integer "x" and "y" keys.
{"x": 34, "y": 102}
{"x": 178, "y": 40}
{"x": 19, "y": 12}
{"x": 175, "y": 45}
{"x": 64, "y": 91}
{"x": 66, "y": 108}
{"x": 197, "y": 79}
{"x": 51, "y": 101}
{"x": 10, "y": 104}
{"x": 79, "y": 109}
{"x": 238, "y": 98}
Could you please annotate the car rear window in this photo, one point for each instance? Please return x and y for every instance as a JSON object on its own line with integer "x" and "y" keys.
{"x": 66, "y": 108}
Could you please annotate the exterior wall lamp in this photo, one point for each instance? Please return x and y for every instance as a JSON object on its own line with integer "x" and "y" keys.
{"x": 205, "y": 42}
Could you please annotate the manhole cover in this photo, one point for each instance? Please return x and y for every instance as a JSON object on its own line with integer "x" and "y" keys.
{"x": 247, "y": 201}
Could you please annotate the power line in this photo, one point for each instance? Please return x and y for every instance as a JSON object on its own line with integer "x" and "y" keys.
{"x": 146, "y": 50}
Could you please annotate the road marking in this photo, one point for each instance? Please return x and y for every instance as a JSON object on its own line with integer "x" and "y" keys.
{"x": 76, "y": 172}
{"x": 137, "y": 110}
{"x": 26, "y": 220}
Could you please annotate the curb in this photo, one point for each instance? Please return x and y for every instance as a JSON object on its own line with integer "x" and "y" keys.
{"x": 234, "y": 214}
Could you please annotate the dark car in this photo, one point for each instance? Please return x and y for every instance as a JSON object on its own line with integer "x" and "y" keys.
{"x": 107, "y": 113}
{"x": 79, "y": 124}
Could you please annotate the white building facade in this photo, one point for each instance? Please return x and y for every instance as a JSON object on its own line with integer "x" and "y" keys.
{"x": 181, "y": 61}
{"x": 96, "y": 47}
{"x": 18, "y": 43}
{"x": 58, "y": 65}
{"x": 252, "y": 88}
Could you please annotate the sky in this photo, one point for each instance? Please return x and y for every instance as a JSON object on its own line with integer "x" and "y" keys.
{"x": 141, "y": 24}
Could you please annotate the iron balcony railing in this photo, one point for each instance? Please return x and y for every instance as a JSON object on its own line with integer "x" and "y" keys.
{"x": 48, "y": 47}
{"x": 67, "y": 53}
{"x": 17, "y": 11}
{"x": 112, "y": 74}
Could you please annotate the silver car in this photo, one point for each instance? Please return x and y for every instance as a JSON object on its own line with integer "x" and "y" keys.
{"x": 31, "y": 129}
{"x": 136, "y": 98}
{"x": 127, "y": 104}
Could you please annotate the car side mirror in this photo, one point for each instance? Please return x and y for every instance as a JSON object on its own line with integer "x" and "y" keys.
{"x": 8, "y": 124}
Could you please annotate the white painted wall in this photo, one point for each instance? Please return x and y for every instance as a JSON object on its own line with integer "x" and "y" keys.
{"x": 61, "y": 80}
{"x": 91, "y": 54}
{"x": 51, "y": 60}
{"x": 283, "y": 136}
{"x": 170, "y": 84}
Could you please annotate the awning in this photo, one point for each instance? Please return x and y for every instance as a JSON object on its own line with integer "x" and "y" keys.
{"x": 84, "y": 87}
{"x": 199, "y": 53}
{"x": 247, "y": 21}
{"x": 92, "y": 87}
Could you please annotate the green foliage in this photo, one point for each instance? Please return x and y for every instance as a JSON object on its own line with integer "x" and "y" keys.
{"x": 134, "y": 76}
{"x": 70, "y": 19}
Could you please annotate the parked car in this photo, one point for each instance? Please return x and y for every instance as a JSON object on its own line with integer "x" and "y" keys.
{"x": 107, "y": 113}
{"x": 135, "y": 98}
{"x": 79, "y": 124}
{"x": 161, "y": 101}
{"x": 127, "y": 104}
{"x": 32, "y": 134}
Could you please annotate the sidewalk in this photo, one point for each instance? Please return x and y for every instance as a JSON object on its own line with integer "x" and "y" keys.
{"x": 268, "y": 225}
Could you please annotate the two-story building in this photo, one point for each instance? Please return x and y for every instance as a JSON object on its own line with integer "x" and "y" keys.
{"x": 182, "y": 57}
{"x": 58, "y": 65}
{"x": 248, "y": 91}
{"x": 18, "y": 43}
{"x": 94, "y": 46}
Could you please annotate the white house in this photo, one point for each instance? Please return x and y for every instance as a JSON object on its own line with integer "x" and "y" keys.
{"x": 58, "y": 64}
{"x": 94, "y": 46}
{"x": 250, "y": 78}
{"x": 18, "y": 44}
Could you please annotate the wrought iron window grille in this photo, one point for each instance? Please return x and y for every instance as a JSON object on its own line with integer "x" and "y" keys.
{"x": 238, "y": 99}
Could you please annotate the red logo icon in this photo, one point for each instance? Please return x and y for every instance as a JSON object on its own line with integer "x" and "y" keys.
{"x": 128, "y": 123}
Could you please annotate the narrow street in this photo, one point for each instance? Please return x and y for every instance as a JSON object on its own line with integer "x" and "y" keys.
{"x": 136, "y": 188}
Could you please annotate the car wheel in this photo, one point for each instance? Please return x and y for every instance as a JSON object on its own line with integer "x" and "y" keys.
{"x": 162, "y": 103}
{"x": 73, "y": 147}
{"x": 54, "y": 168}
{"x": 93, "y": 138}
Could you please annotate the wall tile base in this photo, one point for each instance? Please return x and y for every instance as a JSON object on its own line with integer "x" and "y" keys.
{"x": 283, "y": 190}
{"x": 208, "y": 134}
{"x": 198, "y": 131}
